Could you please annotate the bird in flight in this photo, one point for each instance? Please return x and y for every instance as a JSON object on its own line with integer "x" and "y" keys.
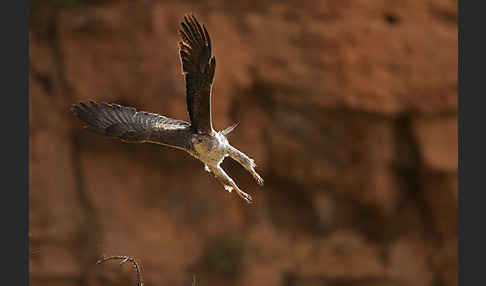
{"x": 198, "y": 138}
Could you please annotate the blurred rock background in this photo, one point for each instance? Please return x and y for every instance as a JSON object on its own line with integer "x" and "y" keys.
{"x": 348, "y": 107}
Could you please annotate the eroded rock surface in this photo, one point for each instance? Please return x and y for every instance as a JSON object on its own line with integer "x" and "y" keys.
{"x": 349, "y": 108}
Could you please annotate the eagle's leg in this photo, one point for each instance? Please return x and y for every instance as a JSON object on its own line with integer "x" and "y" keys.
{"x": 246, "y": 162}
{"x": 228, "y": 183}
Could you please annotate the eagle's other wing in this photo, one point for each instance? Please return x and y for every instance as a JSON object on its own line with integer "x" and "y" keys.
{"x": 198, "y": 67}
{"x": 132, "y": 126}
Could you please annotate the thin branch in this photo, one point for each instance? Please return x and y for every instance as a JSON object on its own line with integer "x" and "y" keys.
{"x": 125, "y": 259}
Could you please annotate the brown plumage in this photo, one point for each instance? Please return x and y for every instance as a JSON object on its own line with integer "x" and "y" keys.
{"x": 198, "y": 66}
{"x": 132, "y": 126}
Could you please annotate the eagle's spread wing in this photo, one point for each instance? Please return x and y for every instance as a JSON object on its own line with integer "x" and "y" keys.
{"x": 131, "y": 126}
{"x": 198, "y": 67}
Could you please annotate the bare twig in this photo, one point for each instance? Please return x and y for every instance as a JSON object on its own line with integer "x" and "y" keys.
{"x": 125, "y": 259}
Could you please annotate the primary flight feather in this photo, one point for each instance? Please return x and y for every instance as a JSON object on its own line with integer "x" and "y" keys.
{"x": 198, "y": 138}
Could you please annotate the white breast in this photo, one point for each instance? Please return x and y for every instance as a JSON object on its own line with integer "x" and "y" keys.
{"x": 215, "y": 155}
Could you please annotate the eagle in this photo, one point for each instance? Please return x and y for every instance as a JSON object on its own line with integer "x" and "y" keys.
{"x": 198, "y": 138}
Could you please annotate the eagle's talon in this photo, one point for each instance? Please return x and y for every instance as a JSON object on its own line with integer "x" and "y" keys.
{"x": 245, "y": 196}
{"x": 259, "y": 180}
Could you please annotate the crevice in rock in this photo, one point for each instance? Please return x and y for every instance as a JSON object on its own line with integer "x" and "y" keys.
{"x": 291, "y": 206}
{"x": 45, "y": 17}
{"x": 447, "y": 16}
{"x": 90, "y": 230}
{"x": 391, "y": 19}
{"x": 408, "y": 167}
{"x": 44, "y": 80}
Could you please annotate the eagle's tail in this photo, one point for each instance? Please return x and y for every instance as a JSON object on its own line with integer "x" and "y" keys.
{"x": 229, "y": 129}
{"x": 110, "y": 120}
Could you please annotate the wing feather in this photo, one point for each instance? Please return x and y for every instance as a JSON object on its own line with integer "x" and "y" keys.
{"x": 130, "y": 125}
{"x": 198, "y": 66}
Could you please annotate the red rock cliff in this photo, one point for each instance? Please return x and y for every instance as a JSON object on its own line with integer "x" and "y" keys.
{"x": 349, "y": 108}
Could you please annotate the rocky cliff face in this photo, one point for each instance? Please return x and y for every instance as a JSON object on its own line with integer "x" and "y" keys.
{"x": 349, "y": 109}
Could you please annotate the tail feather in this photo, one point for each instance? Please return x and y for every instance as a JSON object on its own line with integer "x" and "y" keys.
{"x": 229, "y": 129}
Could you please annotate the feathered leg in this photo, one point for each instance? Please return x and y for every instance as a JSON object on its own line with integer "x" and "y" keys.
{"x": 246, "y": 162}
{"x": 229, "y": 184}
